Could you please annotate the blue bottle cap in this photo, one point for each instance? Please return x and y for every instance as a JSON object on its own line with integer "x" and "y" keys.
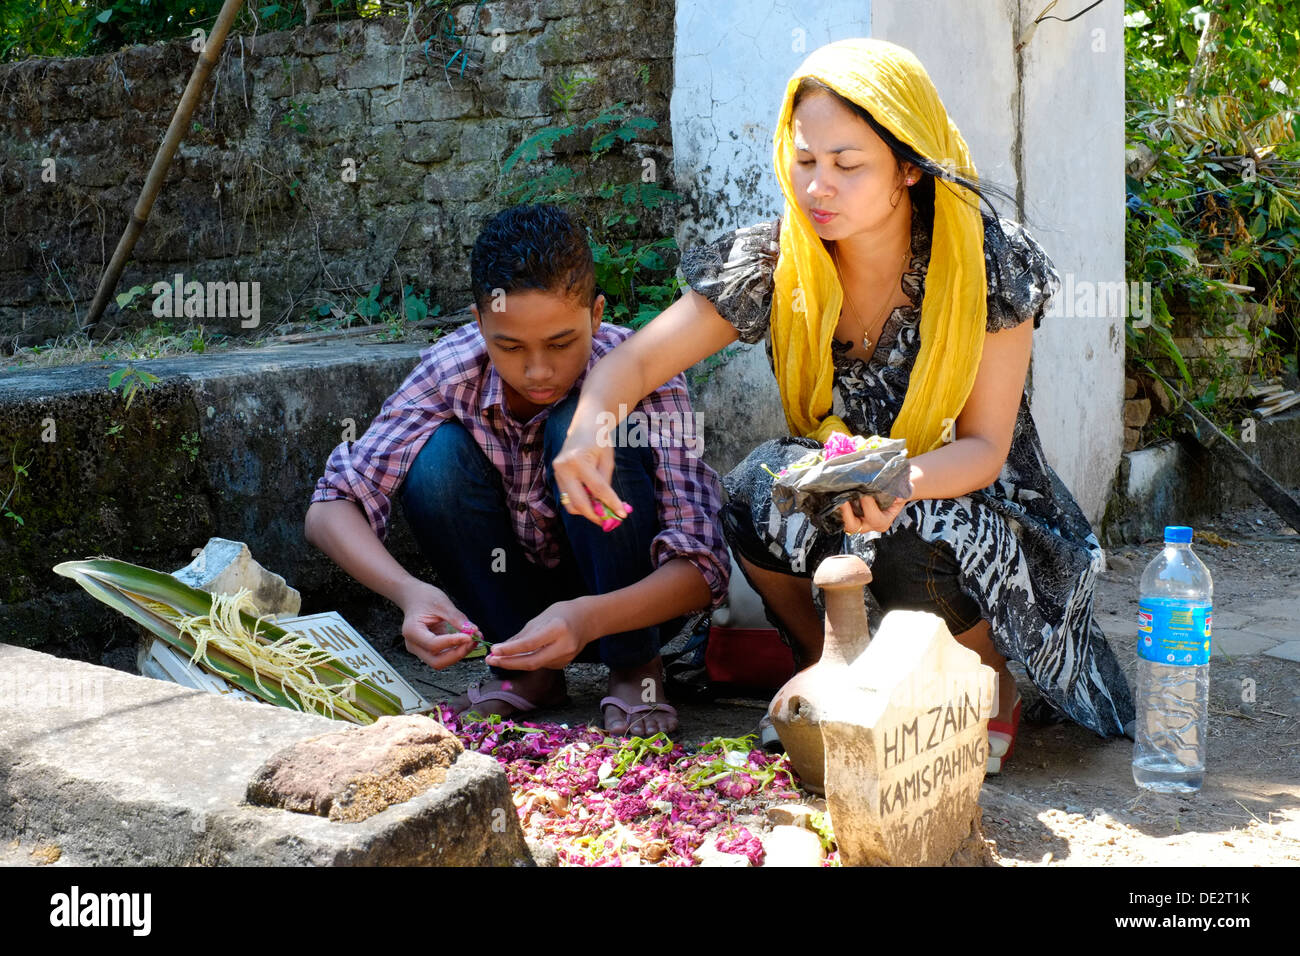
{"x": 1178, "y": 534}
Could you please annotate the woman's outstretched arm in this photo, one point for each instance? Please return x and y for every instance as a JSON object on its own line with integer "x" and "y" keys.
{"x": 687, "y": 331}
{"x": 981, "y": 437}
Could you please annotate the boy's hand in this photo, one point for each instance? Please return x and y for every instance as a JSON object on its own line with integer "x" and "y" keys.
{"x": 552, "y": 639}
{"x": 432, "y": 627}
{"x": 582, "y": 473}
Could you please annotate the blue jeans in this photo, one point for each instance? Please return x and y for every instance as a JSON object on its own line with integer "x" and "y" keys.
{"x": 455, "y": 503}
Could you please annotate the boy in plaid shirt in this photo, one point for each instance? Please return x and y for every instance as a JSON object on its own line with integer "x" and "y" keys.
{"x": 467, "y": 441}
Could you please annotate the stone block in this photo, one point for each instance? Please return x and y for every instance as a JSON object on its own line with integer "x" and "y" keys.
{"x": 97, "y": 174}
{"x": 420, "y": 103}
{"x": 1230, "y": 619}
{"x": 907, "y": 747}
{"x": 792, "y": 846}
{"x": 1290, "y": 651}
{"x": 328, "y": 66}
{"x": 121, "y": 770}
{"x": 429, "y": 142}
{"x": 565, "y": 43}
{"x": 331, "y": 116}
{"x": 791, "y": 815}
{"x": 323, "y": 38}
{"x": 483, "y": 139}
{"x": 383, "y": 32}
{"x": 371, "y": 71}
{"x": 1136, "y": 412}
{"x": 519, "y": 60}
{"x": 1276, "y": 630}
{"x": 379, "y": 148}
{"x": 1284, "y": 609}
{"x": 1160, "y": 398}
{"x": 464, "y": 183}
{"x": 1132, "y": 436}
{"x": 301, "y": 77}
{"x": 269, "y": 44}
{"x": 389, "y": 177}
{"x": 525, "y": 99}
{"x": 1130, "y": 388}
{"x": 225, "y": 566}
{"x": 557, "y": 9}
{"x": 352, "y": 774}
{"x": 511, "y": 16}
{"x": 1230, "y": 643}
{"x": 1124, "y": 628}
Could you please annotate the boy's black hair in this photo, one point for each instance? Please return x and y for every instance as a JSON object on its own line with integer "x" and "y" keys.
{"x": 532, "y": 247}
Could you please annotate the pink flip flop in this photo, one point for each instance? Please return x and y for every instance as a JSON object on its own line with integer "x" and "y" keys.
{"x": 633, "y": 714}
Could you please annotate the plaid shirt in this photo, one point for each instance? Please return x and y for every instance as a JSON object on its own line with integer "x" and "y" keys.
{"x": 456, "y": 380}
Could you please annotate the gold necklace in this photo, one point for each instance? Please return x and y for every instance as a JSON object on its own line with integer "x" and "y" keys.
{"x": 866, "y": 339}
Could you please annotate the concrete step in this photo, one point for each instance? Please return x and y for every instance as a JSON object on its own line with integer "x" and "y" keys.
{"x": 1179, "y": 482}
{"x": 121, "y": 770}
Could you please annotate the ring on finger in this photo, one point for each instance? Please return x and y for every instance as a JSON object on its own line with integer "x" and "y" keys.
{"x": 564, "y": 498}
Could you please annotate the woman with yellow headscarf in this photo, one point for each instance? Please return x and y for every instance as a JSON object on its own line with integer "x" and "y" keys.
{"x": 889, "y": 305}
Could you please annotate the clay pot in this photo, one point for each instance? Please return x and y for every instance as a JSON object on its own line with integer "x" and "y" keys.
{"x": 797, "y": 709}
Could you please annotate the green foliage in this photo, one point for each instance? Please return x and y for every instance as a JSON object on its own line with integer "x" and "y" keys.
{"x": 376, "y": 309}
{"x": 160, "y": 339}
{"x": 89, "y": 27}
{"x": 20, "y": 472}
{"x": 566, "y": 88}
{"x": 1219, "y": 206}
{"x": 295, "y": 117}
{"x": 130, "y": 380}
{"x": 637, "y": 277}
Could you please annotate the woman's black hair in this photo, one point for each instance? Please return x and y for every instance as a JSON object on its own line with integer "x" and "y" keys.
{"x": 532, "y": 247}
{"x": 922, "y": 191}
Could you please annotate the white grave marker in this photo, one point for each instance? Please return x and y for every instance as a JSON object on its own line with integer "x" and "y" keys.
{"x": 907, "y": 748}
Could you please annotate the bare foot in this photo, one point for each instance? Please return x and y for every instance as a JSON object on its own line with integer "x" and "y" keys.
{"x": 541, "y": 688}
{"x": 641, "y": 686}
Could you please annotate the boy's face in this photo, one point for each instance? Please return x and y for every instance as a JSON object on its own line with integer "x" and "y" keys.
{"x": 540, "y": 342}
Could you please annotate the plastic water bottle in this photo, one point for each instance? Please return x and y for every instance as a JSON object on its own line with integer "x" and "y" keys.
{"x": 1173, "y": 684}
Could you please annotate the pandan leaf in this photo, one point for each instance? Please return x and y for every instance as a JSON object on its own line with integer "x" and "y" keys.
{"x": 130, "y": 589}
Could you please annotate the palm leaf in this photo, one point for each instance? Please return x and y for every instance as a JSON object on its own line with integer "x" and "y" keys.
{"x": 159, "y": 602}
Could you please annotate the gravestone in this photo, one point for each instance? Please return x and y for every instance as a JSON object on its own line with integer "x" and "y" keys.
{"x": 907, "y": 745}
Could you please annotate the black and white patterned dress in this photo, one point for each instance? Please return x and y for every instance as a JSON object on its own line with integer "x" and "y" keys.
{"x": 1027, "y": 554}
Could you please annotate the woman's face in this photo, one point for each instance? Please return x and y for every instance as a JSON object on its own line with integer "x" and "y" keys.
{"x": 843, "y": 173}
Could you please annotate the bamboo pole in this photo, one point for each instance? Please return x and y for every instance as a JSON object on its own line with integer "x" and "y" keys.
{"x": 162, "y": 160}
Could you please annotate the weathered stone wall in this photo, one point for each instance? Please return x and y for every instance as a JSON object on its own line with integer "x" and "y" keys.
{"x": 228, "y": 444}
{"x": 258, "y": 190}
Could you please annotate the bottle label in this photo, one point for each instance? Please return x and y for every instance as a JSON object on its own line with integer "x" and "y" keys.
{"x": 1174, "y": 632}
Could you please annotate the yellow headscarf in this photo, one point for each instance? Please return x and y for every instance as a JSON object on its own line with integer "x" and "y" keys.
{"x": 891, "y": 84}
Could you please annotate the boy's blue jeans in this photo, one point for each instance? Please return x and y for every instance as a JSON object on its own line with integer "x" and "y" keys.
{"x": 455, "y": 503}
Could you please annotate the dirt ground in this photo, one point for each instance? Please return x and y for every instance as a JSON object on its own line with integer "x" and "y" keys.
{"x": 1067, "y": 797}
